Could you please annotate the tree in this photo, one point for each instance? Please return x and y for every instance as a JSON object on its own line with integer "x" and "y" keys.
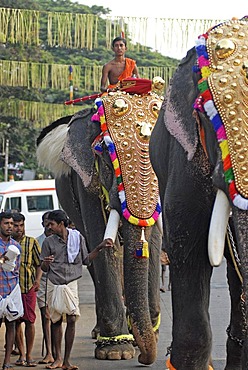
{"x": 22, "y": 134}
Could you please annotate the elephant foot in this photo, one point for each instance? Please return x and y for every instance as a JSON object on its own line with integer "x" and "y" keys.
{"x": 124, "y": 351}
{"x": 95, "y": 332}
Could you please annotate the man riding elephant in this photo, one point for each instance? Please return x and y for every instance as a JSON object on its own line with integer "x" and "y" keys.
{"x": 119, "y": 68}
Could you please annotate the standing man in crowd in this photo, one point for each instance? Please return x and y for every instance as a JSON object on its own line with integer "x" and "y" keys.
{"x": 9, "y": 287}
{"x": 42, "y": 299}
{"x": 120, "y": 67}
{"x": 62, "y": 257}
{"x": 30, "y": 275}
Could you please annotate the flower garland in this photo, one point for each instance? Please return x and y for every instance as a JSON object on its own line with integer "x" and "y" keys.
{"x": 205, "y": 103}
{"x": 100, "y": 117}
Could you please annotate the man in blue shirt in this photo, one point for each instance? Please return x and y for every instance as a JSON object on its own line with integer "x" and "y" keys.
{"x": 11, "y": 307}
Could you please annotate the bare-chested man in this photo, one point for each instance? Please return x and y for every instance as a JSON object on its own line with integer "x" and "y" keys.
{"x": 120, "y": 67}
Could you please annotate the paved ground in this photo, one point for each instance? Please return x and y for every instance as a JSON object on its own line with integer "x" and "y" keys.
{"x": 83, "y": 350}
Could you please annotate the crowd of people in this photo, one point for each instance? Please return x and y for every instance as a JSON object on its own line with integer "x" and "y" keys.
{"x": 43, "y": 271}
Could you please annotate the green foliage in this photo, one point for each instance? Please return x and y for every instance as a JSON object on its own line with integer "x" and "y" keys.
{"x": 22, "y": 141}
{"x": 22, "y": 135}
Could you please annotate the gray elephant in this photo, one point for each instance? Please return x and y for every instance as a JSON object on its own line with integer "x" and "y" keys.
{"x": 199, "y": 152}
{"x": 89, "y": 184}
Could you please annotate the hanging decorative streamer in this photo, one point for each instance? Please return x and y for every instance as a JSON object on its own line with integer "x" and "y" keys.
{"x": 70, "y": 82}
{"x": 55, "y": 76}
{"x": 80, "y": 30}
{"x": 72, "y": 30}
{"x": 19, "y": 25}
{"x": 38, "y": 114}
{"x": 122, "y": 27}
{"x": 165, "y": 35}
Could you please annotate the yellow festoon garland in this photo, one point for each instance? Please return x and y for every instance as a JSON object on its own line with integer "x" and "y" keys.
{"x": 55, "y": 76}
{"x": 37, "y": 113}
{"x": 73, "y": 30}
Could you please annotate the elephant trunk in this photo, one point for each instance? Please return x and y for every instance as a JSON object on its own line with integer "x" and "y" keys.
{"x": 147, "y": 344}
{"x": 136, "y": 294}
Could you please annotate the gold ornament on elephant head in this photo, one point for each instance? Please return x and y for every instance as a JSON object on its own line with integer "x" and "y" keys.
{"x": 130, "y": 120}
{"x": 228, "y": 82}
{"x": 120, "y": 107}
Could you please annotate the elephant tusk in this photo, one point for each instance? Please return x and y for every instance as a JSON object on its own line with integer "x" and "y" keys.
{"x": 217, "y": 229}
{"x": 160, "y": 223}
{"x": 112, "y": 225}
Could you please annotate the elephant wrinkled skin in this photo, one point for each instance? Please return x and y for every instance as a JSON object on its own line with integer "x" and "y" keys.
{"x": 190, "y": 169}
{"x": 79, "y": 189}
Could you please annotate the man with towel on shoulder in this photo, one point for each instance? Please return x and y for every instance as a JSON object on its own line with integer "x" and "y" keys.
{"x": 62, "y": 256}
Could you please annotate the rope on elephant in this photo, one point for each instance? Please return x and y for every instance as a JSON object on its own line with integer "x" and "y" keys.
{"x": 233, "y": 249}
{"x": 155, "y": 327}
{"x": 118, "y": 339}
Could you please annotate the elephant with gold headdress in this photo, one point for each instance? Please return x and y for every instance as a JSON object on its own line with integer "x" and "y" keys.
{"x": 104, "y": 179}
{"x": 199, "y": 151}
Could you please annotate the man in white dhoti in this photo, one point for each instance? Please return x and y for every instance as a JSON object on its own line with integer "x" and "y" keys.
{"x": 11, "y": 307}
{"x": 62, "y": 257}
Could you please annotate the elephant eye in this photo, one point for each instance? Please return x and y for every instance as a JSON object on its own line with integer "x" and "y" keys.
{"x": 120, "y": 107}
{"x": 224, "y": 48}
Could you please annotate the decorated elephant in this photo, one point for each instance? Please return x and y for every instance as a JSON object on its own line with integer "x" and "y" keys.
{"x": 106, "y": 185}
{"x": 199, "y": 152}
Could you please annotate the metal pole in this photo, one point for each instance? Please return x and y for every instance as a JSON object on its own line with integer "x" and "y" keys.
{"x": 6, "y": 160}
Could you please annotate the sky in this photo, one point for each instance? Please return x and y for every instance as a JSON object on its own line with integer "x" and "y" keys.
{"x": 210, "y": 9}
{"x": 176, "y": 9}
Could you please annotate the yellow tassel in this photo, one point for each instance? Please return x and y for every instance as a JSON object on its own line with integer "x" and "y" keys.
{"x": 142, "y": 250}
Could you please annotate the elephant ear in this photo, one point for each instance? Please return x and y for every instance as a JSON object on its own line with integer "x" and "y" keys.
{"x": 77, "y": 152}
{"x": 178, "y": 105}
{"x": 50, "y": 144}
